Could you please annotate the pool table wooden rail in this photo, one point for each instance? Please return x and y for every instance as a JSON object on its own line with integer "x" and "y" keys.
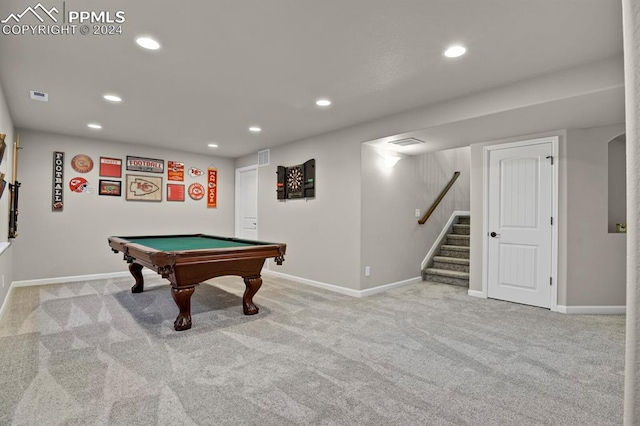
{"x": 188, "y": 267}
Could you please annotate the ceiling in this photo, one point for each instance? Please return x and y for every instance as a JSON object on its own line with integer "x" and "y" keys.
{"x": 225, "y": 65}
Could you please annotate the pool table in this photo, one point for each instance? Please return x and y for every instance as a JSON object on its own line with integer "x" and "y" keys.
{"x": 187, "y": 260}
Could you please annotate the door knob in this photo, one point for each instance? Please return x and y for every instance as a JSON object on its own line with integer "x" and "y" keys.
{"x": 494, "y": 235}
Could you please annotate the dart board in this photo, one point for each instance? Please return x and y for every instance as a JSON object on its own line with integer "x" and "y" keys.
{"x": 297, "y": 181}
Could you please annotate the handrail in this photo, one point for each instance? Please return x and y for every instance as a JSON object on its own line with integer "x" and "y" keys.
{"x": 440, "y": 197}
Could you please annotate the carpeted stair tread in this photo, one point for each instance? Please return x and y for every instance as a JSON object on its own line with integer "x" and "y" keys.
{"x": 454, "y": 248}
{"x": 447, "y": 273}
{"x": 461, "y": 229}
{"x": 446, "y": 259}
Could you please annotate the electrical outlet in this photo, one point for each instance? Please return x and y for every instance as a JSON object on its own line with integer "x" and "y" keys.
{"x": 417, "y": 212}
{"x": 367, "y": 271}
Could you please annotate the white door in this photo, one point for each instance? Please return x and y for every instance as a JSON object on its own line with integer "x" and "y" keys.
{"x": 519, "y": 225}
{"x": 247, "y": 203}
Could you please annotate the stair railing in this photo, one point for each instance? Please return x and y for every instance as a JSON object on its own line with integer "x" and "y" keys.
{"x": 440, "y": 197}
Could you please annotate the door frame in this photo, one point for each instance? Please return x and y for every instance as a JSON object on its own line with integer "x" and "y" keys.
{"x": 237, "y": 219}
{"x": 554, "y": 140}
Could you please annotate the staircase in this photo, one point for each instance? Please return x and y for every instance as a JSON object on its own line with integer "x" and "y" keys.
{"x": 451, "y": 264}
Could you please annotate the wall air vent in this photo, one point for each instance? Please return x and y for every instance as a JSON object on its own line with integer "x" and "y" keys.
{"x": 263, "y": 157}
{"x": 406, "y": 142}
{"x": 39, "y": 96}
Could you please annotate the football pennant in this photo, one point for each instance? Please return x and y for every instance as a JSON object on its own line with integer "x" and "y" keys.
{"x": 212, "y": 188}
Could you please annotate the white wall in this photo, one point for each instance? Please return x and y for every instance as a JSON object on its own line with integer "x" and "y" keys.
{"x": 6, "y": 258}
{"x": 74, "y": 241}
{"x": 393, "y": 243}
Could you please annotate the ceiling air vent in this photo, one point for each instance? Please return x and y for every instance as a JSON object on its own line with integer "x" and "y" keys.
{"x": 263, "y": 157}
{"x": 39, "y": 96}
{"x": 406, "y": 142}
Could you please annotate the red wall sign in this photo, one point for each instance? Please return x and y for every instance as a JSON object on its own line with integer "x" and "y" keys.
{"x": 175, "y": 171}
{"x": 212, "y": 188}
{"x": 196, "y": 191}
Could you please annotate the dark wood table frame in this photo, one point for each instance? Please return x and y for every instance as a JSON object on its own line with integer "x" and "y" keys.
{"x": 186, "y": 269}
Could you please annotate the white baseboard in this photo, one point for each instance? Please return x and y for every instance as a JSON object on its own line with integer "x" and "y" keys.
{"x": 592, "y": 310}
{"x": 343, "y": 290}
{"x": 476, "y": 293}
{"x": 75, "y": 278}
{"x": 386, "y": 287}
{"x": 317, "y": 284}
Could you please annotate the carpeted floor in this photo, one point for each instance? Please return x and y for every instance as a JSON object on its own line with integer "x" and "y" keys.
{"x": 92, "y": 353}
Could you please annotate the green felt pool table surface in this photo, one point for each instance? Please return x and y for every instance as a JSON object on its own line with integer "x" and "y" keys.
{"x": 190, "y": 242}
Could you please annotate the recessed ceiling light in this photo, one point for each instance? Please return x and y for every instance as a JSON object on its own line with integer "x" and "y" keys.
{"x": 212, "y": 145}
{"x": 94, "y": 126}
{"x": 148, "y": 43}
{"x": 255, "y": 129}
{"x": 455, "y": 51}
{"x": 112, "y": 98}
{"x": 323, "y": 102}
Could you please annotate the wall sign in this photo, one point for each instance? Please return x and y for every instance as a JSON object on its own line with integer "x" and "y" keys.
{"x": 297, "y": 181}
{"x": 78, "y": 184}
{"x": 195, "y": 172}
{"x": 196, "y": 191}
{"x": 57, "y": 196}
{"x": 139, "y": 164}
{"x": 110, "y": 167}
{"x": 110, "y": 187}
{"x": 175, "y": 192}
{"x": 144, "y": 188}
{"x": 175, "y": 171}
{"x": 212, "y": 188}
{"x": 82, "y": 163}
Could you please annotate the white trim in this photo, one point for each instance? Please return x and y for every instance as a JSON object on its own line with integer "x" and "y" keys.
{"x": 592, "y": 310}
{"x": 343, "y": 290}
{"x": 75, "y": 278}
{"x": 441, "y": 237}
{"x": 318, "y": 284}
{"x": 555, "y": 142}
{"x": 476, "y": 293}
{"x": 385, "y": 287}
{"x": 238, "y": 221}
{"x": 4, "y": 246}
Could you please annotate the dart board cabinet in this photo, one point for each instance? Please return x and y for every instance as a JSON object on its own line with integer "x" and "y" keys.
{"x": 297, "y": 181}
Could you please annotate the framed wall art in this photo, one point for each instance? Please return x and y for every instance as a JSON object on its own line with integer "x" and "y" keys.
{"x": 110, "y": 167}
{"x": 110, "y": 187}
{"x": 149, "y": 165}
{"x": 143, "y": 188}
{"x": 175, "y": 192}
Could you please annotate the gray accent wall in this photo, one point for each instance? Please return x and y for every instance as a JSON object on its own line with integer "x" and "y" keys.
{"x": 74, "y": 241}
{"x": 393, "y": 243}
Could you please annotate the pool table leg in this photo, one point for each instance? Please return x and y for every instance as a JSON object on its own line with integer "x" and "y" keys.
{"x": 182, "y": 297}
{"x": 136, "y": 271}
{"x": 253, "y": 285}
